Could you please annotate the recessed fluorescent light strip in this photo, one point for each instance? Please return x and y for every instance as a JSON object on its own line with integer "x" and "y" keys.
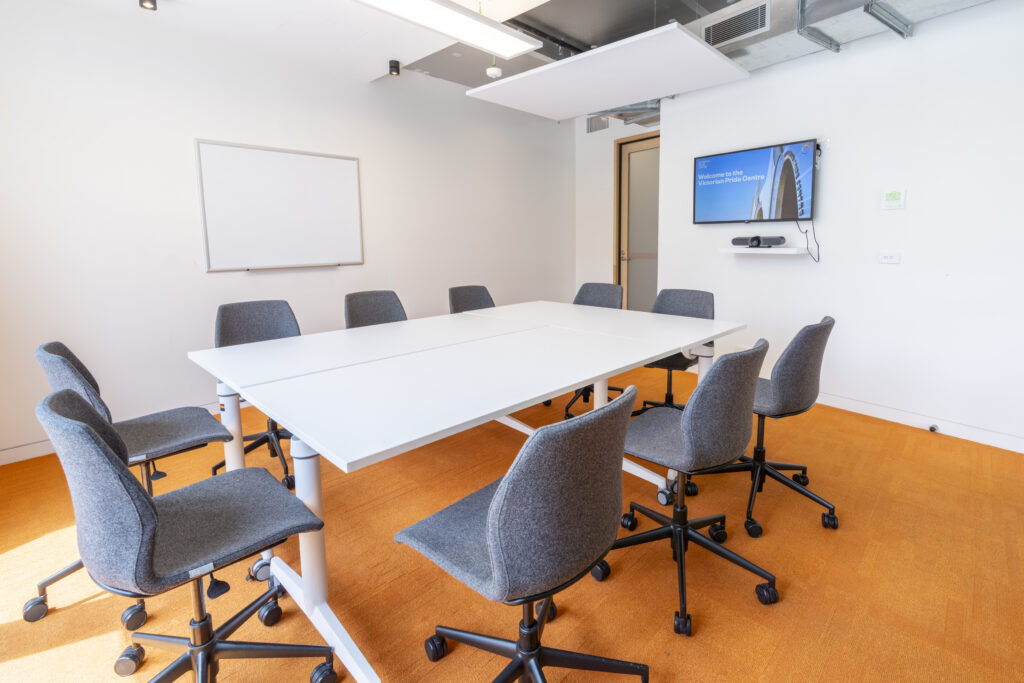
{"x": 461, "y": 24}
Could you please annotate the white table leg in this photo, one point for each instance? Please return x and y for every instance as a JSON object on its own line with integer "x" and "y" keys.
{"x": 231, "y": 418}
{"x": 309, "y": 589}
{"x": 515, "y": 424}
{"x": 600, "y": 393}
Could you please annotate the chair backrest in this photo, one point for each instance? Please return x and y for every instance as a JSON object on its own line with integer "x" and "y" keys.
{"x": 797, "y": 373}
{"x": 693, "y": 303}
{"x": 115, "y": 517}
{"x": 244, "y": 322}
{"x": 373, "y": 307}
{"x": 716, "y": 423}
{"x": 64, "y": 370}
{"x": 469, "y": 298}
{"x": 601, "y": 294}
{"x": 556, "y": 511}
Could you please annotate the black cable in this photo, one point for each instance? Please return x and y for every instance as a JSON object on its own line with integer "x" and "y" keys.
{"x": 816, "y": 255}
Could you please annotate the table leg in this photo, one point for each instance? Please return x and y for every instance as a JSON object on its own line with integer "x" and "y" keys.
{"x": 600, "y": 393}
{"x": 309, "y": 590}
{"x": 515, "y": 424}
{"x": 231, "y": 418}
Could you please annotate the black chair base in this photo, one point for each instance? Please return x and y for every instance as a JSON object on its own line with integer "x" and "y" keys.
{"x": 132, "y": 617}
{"x": 682, "y": 531}
{"x": 528, "y": 657}
{"x": 585, "y": 393}
{"x": 760, "y": 468}
{"x": 669, "y": 401}
{"x": 272, "y": 440}
{"x": 206, "y": 646}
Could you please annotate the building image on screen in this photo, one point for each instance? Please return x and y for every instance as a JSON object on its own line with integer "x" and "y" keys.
{"x": 765, "y": 184}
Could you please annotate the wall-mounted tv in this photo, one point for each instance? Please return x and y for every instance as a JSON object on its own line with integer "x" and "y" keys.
{"x": 773, "y": 183}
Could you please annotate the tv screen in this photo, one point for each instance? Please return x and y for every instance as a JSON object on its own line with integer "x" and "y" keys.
{"x": 764, "y": 184}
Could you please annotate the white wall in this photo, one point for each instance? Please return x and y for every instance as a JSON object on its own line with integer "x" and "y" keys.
{"x": 595, "y": 198}
{"x": 936, "y": 339}
{"x": 101, "y": 239}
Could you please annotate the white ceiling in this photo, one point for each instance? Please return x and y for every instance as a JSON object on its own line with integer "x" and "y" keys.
{"x": 353, "y": 38}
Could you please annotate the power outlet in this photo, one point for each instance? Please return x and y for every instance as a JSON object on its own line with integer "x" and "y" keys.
{"x": 890, "y": 258}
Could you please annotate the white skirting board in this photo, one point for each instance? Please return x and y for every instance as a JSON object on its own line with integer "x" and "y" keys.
{"x": 961, "y": 431}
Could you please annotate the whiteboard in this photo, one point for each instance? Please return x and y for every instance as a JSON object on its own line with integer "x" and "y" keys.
{"x": 277, "y": 208}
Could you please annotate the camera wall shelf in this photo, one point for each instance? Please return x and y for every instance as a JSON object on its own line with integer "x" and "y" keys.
{"x": 765, "y": 251}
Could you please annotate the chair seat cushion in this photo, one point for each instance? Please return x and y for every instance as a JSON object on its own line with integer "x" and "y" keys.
{"x": 657, "y": 436}
{"x": 455, "y": 539}
{"x": 169, "y": 431}
{"x": 221, "y": 520}
{"x": 676, "y": 361}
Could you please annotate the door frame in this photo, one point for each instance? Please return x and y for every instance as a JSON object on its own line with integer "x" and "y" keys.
{"x": 620, "y": 224}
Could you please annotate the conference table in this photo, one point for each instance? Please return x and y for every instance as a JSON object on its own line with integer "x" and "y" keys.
{"x": 336, "y": 393}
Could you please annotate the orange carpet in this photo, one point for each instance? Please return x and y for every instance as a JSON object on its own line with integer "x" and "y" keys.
{"x": 922, "y": 581}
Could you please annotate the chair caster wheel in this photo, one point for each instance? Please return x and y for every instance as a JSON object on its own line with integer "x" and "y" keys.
{"x": 35, "y": 609}
{"x": 270, "y": 613}
{"x": 436, "y": 647}
{"x": 717, "y": 533}
{"x": 666, "y": 497}
{"x": 766, "y": 593}
{"x": 601, "y": 571}
{"x": 829, "y": 520}
{"x": 683, "y": 625}
{"x": 754, "y": 529}
{"x": 260, "y": 570}
{"x": 552, "y": 611}
{"x": 130, "y": 660}
{"x": 323, "y": 673}
{"x": 628, "y": 521}
{"x": 289, "y": 481}
{"x": 134, "y": 617}
{"x": 548, "y": 402}
{"x": 691, "y": 488}
{"x": 801, "y": 478}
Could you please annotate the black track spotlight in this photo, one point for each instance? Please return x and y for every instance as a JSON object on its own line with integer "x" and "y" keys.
{"x": 148, "y": 4}
{"x": 393, "y": 66}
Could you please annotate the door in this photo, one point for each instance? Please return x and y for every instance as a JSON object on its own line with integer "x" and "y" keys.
{"x": 637, "y": 238}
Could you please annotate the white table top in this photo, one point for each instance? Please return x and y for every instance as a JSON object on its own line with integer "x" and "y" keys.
{"x": 337, "y": 390}
{"x": 249, "y": 364}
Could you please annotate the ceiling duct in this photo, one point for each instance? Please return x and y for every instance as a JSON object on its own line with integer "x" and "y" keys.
{"x": 795, "y": 28}
{"x": 743, "y": 24}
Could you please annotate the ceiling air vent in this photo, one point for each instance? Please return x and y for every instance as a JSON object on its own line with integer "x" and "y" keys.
{"x": 740, "y": 25}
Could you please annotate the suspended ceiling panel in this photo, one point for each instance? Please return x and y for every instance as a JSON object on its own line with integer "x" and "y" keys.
{"x": 666, "y": 61}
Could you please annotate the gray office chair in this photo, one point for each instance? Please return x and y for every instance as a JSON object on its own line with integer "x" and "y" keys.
{"x": 469, "y": 298}
{"x": 373, "y": 307}
{"x": 138, "y": 545}
{"x": 527, "y": 536}
{"x": 711, "y": 433}
{"x": 692, "y": 303}
{"x": 601, "y": 295}
{"x": 793, "y": 389}
{"x": 147, "y": 439}
{"x": 245, "y": 322}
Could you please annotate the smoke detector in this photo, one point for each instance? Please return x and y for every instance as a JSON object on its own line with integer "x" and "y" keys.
{"x": 493, "y": 72}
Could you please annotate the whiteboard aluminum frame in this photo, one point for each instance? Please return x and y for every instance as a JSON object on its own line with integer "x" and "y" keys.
{"x": 202, "y": 206}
